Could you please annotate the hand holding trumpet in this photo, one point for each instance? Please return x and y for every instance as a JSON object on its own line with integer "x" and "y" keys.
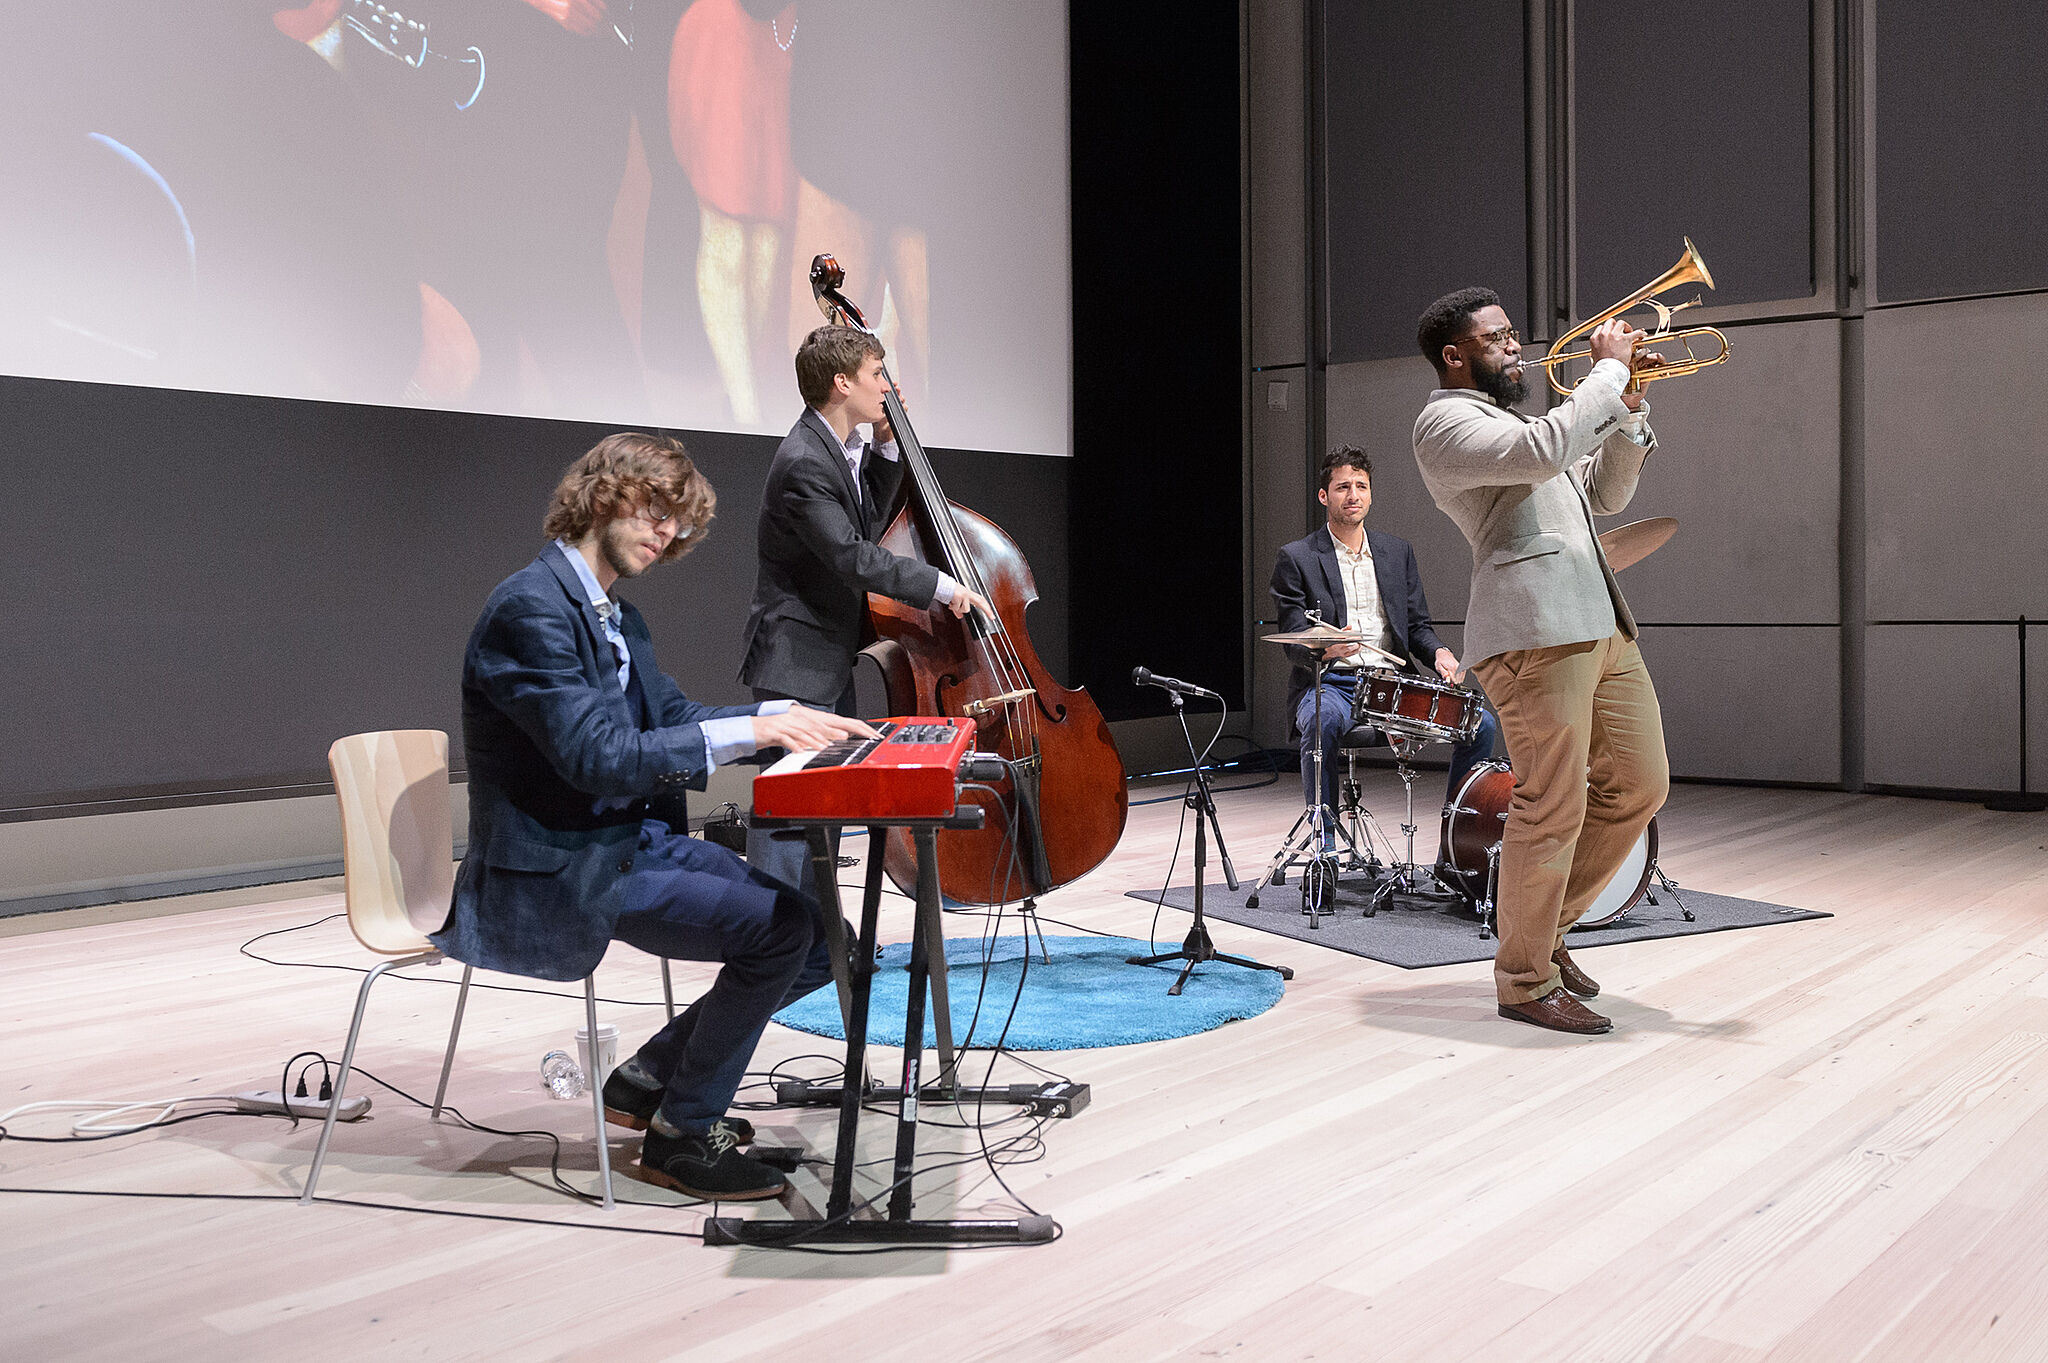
{"x": 1616, "y": 339}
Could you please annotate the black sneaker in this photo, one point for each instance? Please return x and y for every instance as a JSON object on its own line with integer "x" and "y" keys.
{"x": 629, "y": 1105}
{"x": 707, "y": 1165}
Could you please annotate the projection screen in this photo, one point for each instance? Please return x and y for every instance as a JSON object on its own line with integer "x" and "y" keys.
{"x": 597, "y": 210}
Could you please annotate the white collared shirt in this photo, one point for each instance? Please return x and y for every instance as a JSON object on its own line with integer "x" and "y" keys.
{"x": 854, "y": 447}
{"x": 1364, "y": 611}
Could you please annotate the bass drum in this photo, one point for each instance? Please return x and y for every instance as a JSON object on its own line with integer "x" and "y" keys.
{"x": 1472, "y": 825}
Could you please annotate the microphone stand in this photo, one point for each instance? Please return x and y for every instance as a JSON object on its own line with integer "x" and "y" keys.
{"x": 1197, "y": 947}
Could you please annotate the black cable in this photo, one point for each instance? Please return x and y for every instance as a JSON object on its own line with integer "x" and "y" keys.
{"x": 1010, "y": 870}
{"x": 417, "y": 979}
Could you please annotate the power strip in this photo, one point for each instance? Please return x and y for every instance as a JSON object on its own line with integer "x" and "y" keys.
{"x": 354, "y": 1107}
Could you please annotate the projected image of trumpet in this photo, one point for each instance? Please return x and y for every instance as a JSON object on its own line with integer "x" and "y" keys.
{"x": 1690, "y": 269}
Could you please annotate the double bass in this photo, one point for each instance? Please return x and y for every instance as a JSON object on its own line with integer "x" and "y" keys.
{"x": 1061, "y": 810}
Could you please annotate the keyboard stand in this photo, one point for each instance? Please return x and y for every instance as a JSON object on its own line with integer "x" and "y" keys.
{"x": 853, "y": 971}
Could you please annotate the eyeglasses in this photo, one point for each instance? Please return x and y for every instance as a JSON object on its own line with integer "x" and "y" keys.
{"x": 655, "y": 514}
{"x": 1500, "y": 337}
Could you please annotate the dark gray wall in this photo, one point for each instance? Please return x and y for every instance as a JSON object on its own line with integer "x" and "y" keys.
{"x": 205, "y": 590}
{"x": 1860, "y": 488}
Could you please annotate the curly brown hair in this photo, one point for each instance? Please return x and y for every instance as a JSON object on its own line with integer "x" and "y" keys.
{"x": 623, "y": 473}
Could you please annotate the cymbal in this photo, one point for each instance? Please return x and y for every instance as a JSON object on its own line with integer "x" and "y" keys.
{"x": 1317, "y": 636}
{"x": 1326, "y": 636}
{"x": 1636, "y": 541}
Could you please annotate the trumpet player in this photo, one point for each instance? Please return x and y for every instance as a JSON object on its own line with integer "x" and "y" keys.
{"x": 1547, "y": 631}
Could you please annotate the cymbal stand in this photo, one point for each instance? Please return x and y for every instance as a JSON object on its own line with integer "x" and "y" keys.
{"x": 1313, "y": 838}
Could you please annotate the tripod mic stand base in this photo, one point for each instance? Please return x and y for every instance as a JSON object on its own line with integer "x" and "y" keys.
{"x": 1197, "y": 948}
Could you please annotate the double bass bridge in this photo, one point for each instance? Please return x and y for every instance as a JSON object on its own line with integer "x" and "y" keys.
{"x": 975, "y": 709}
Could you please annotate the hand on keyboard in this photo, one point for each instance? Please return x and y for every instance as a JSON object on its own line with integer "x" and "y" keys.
{"x": 800, "y": 729}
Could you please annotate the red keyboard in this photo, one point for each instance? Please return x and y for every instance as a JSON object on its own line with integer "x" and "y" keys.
{"x": 910, "y": 772}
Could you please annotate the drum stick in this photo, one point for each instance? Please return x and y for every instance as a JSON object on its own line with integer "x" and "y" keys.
{"x": 1382, "y": 653}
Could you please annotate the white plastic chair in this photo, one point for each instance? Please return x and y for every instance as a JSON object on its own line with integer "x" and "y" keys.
{"x": 398, "y": 853}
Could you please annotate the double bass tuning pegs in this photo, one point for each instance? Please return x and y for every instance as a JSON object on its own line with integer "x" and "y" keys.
{"x": 826, "y": 277}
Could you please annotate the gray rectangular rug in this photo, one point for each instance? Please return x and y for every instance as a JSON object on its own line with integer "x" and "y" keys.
{"x": 1417, "y": 933}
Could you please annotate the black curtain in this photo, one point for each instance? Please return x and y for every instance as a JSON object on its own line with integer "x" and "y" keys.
{"x": 1156, "y": 495}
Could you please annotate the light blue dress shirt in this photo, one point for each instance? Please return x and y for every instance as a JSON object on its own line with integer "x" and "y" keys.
{"x": 724, "y": 739}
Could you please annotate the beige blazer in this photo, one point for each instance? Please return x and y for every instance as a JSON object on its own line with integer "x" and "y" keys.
{"x": 1525, "y": 491}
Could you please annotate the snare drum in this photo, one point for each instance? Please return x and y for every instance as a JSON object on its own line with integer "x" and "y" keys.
{"x": 1409, "y": 706}
{"x": 1472, "y": 826}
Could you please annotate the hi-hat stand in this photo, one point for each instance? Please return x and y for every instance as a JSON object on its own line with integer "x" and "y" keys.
{"x": 1312, "y": 842}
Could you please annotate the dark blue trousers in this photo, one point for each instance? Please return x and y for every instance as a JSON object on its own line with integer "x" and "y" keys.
{"x": 696, "y": 901}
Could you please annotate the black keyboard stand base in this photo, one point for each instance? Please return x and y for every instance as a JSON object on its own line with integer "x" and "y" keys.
{"x": 854, "y": 967}
{"x": 732, "y": 1230}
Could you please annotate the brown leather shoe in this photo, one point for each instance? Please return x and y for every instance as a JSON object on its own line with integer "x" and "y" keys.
{"x": 1575, "y": 979}
{"x": 1560, "y": 1012}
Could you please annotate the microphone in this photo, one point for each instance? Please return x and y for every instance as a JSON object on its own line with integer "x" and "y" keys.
{"x": 1145, "y": 676}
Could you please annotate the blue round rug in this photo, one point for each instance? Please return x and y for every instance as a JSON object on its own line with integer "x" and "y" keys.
{"x": 1088, "y": 996}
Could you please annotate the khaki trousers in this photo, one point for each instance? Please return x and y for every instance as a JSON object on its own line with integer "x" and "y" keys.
{"x": 1587, "y": 742}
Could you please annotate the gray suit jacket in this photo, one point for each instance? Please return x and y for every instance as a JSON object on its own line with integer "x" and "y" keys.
{"x": 818, "y": 562}
{"x": 1525, "y": 491}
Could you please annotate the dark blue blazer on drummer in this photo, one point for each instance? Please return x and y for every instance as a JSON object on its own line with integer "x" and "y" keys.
{"x": 561, "y": 763}
{"x": 1306, "y": 578}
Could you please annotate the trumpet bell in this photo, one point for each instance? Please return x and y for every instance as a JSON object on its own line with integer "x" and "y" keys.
{"x": 1690, "y": 269}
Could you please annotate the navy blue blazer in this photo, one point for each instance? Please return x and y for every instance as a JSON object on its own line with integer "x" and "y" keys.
{"x": 1306, "y": 578}
{"x": 549, "y": 733}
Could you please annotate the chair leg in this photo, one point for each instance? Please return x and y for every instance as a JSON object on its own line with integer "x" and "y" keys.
{"x": 454, "y": 1030}
{"x": 604, "y": 1150}
{"x": 668, "y": 990}
{"x": 348, "y": 1056}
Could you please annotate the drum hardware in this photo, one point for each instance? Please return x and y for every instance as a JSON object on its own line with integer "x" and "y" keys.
{"x": 1473, "y": 823}
{"x": 1313, "y": 841}
{"x": 1412, "y": 710}
{"x": 1405, "y": 877}
{"x": 1670, "y": 887}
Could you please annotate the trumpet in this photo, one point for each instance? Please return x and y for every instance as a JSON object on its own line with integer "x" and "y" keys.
{"x": 1690, "y": 269}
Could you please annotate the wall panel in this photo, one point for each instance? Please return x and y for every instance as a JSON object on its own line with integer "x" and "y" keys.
{"x": 1275, "y": 180}
{"x": 1759, "y": 704}
{"x": 1413, "y": 90}
{"x": 2037, "y": 706}
{"x": 1943, "y": 707}
{"x": 1749, "y": 463}
{"x": 1958, "y": 422}
{"x": 1960, "y": 150}
{"x": 1742, "y": 185}
{"x": 1281, "y": 482}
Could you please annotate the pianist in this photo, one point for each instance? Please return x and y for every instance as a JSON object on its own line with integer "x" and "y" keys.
{"x": 568, "y": 725}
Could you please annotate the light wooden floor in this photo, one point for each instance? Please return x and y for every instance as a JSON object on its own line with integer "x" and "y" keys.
{"x": 1825, "y": 1140}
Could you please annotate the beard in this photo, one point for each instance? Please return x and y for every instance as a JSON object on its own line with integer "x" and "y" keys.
{"x": 616, "y": 545}
{"x": 1493, "y": 381}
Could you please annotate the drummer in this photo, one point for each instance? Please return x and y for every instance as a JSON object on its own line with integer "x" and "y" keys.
{"x": 1366, "y": 581}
